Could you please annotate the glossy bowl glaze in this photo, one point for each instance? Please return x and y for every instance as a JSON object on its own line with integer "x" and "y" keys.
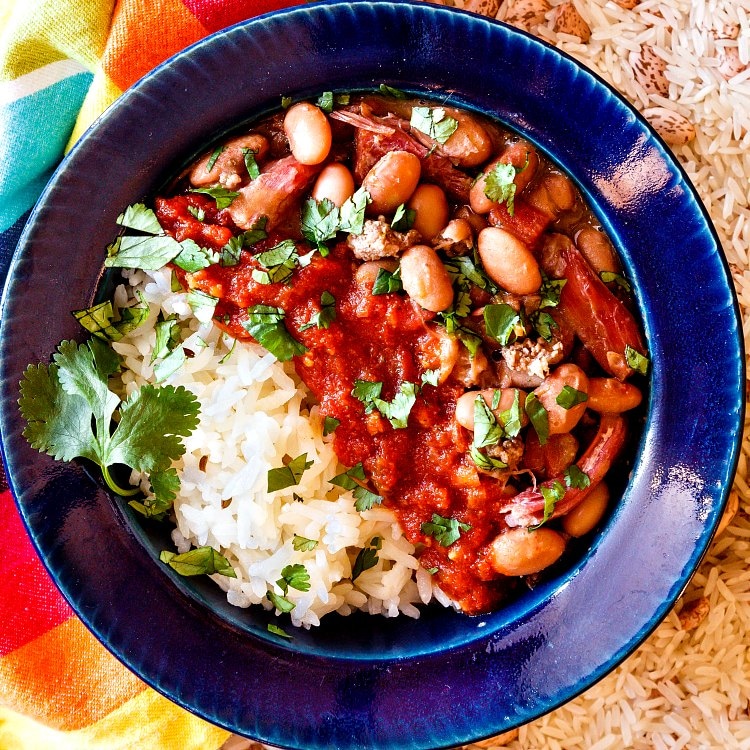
{"x": 365, "y": 682}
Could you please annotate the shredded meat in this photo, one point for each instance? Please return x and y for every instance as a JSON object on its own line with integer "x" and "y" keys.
{"x": 533, "y": 357}
{"x": 510, "y": 452}
{"x": 378, "y": 240}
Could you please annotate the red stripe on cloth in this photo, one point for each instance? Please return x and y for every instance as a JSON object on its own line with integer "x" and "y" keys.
{"x": 218, "y": 14}
{"x": 30, "y": 605}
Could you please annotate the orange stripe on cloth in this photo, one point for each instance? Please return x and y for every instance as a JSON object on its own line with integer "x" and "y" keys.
{"x": 30, "y": 605}
{"x": 65, "y": 678}
{"x": 143, "y": 34}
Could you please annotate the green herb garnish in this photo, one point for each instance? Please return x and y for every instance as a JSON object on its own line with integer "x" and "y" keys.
{"x": 570, "y": 397}
{"x": 433, "y": 122}
{"x": 289, "y": 474}
{"x": 198, "y": 561}
{"x": 266, "y": 325}
{"x": 367, "y": 557}
{"x": 444, "y": 530}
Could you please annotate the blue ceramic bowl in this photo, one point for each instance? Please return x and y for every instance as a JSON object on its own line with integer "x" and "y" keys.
{"x": 365, "y": 682}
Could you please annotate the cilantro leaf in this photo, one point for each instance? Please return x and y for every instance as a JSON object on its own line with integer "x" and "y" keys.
{"x": 464, "y": 268}
{"x": 364, "y": 499}
{"x": 220, "y": 194}
{"x": 280, "y": 262}
{"x": 303, "y": 544}
{"x": 217, "y": 152}
{"x": 444, "y": 530}
{"x": 433, "y": 122}
{"x": 502, "y": 322}
{"x": 140, "y": 218}
{"x": 294, "y": 576}
{"x": 430, "y": 377}
{"x": 538, "y": 416}
{"x": 202, "y": 304}
{"x": 499, "y": 185}
{"x": 329, "y": 425}
{"x": 325, "y": 316}
{"x": 198, "y": 212}
{"x": 148, "y": 253}
{"x": 251, "y": 165}
{"x": 397, "y": 411}
{"x": 320, "y": 222}
{"x": 198, "y": 561}
{"x": 280, "y": 602}
{"x": 636, "y": 360}
{"x": 352, "y": 213}
{"x": 167, "y": 337}
{"x": 403, "y": 219}
{"x": 153, "y": 422}
{"x": 348, "y": 479}
{"x": 171, "y": 363}
{"x": 289, "y": 474}
{"x": 192, "y": 257}
{"x": 574, "y": 477}
{"x": 366, "y": 391}
{"x": 266, "y": 325}
{"x": 543, "y": 324}
{"x": 387, "y": 282}
{"x": 484, "y": 461}
{"x": 390, "y": 91}
{"x": 609, "y": 277}
{"x": 487, "y": 430}
{"x": 550, "y": 291}
{"x": 570, "y": 397}
{"x": 552, "y": 496}
{"x": 511, "y": 418}
{"x": 276, "y": 630}
{"x": 367, "y": 557}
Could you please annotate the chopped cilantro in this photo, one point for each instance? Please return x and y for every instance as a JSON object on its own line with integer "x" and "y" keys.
{"x": 294, "y": 577}
{"x": 550, "y": 291}
{"x": 320, "y": 222}
{"x": 511, "y": 418}
{"x": 164, "y": 486}
{"x": 500, "y": 186}
{"x": 352, "y": 479}
{"x": 251, "y": 165}
{"x": 367, "y": 557}
{"x": 390, "y": 91}
{"x": 636, "y": 360}
{"x": 552, "y": 496}
{"x": 325, "y": 316}
{"x": 198, "y": 561}
{"x": 502, "y": 322}
{"x": 202, "y": 304}
{"x": 279, "y": 262}
{"x": 280, "y": 602}
{"x": 403, "y": 219}
{"x": 538, "y": 416}
{"x": 487, "y": 430}
{"x": 574, "y": 477}
{"x": 198, "y": 212}
{"x": 366, "y": 391}
{"x": 289, "y": 474}
{"x": 276, "y": 630}
{"x": 397, "y": 411}
{"x": 149, "y": 253}
{"x": 193, "y": 258}
{"x": 609, "y": 277}
{"x": 433, "y": 122}
{"x": 387, "y": 282}
{"x": 329, "y": 425}
{"x": 430, "y": 377}
{"x": 444, "y": 530}
{"x": 167, "y": 337}
{"x": 303, "y": 544}
{"x": 352, "y": 214}
{"x": 484, "y": 461}
{"x": 220, "y": 194}
{"x": 543, "y": 324}
{"x": 217, "y": 152}
{"x": 266, "y": 325}
{"x": 570, "y": 397}
{"x": 170, "y": 364}
{"x": 140, "y": 218}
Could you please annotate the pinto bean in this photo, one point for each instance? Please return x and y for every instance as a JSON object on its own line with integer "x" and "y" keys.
{"x": 366, "y": 274}
{"x": 470, "y": 144}
{"x": 562, "y": 419}
{"x": 457, "y": 230}
{"x": 519, "y": 552}
{"x": 584, "y": 517}
{"x": 335, "y": 182}
{"x": 425, "y": 279}
{"x": 612, "y": 395}
{"x": 508, "y": 261}
{"x": 597, "y": 250}
{"x": 553, "y": 195}
{"x": 392, "y": 180}
{"x": 309, "y": 133}
{"x": 465, "y": 404}
{"x": 431, "y": 207}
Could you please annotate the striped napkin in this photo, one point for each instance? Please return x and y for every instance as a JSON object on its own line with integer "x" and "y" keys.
{"x": 62, "y": 63}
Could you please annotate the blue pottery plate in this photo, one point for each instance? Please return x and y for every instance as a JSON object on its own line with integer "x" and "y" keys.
{"x": 366, "y": 682}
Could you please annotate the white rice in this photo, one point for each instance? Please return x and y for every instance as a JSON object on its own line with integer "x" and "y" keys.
{"x": 253, "y": 413}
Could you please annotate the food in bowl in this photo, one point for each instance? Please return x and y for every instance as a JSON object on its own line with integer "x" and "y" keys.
{"x": 413, "y": 348}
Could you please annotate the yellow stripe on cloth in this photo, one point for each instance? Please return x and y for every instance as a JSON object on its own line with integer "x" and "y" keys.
{"x": 147, "y": 722}
{"x": 38, "y": 32}
{"x": 102, "y": 92}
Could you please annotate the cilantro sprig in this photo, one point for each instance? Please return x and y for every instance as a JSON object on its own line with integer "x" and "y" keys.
{"x": 355, "y": 479}
{"x": 70, "y": 411}
{"x": 433, "y": 122}
{"x": 445, "y": 531}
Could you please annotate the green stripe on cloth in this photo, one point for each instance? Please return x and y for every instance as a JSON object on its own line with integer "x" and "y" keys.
{"x": 33, "y": 134}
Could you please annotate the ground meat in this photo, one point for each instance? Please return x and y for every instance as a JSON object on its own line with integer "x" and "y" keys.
{"x": 510, "y": 452}
{"x": 378, "y": 240}
{"x": 533, "y": 357}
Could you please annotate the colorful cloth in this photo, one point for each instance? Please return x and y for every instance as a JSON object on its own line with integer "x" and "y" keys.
{"x": 62, "y": 63}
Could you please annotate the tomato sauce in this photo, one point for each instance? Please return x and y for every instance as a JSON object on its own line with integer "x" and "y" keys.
{"x": 420, "y": 470}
